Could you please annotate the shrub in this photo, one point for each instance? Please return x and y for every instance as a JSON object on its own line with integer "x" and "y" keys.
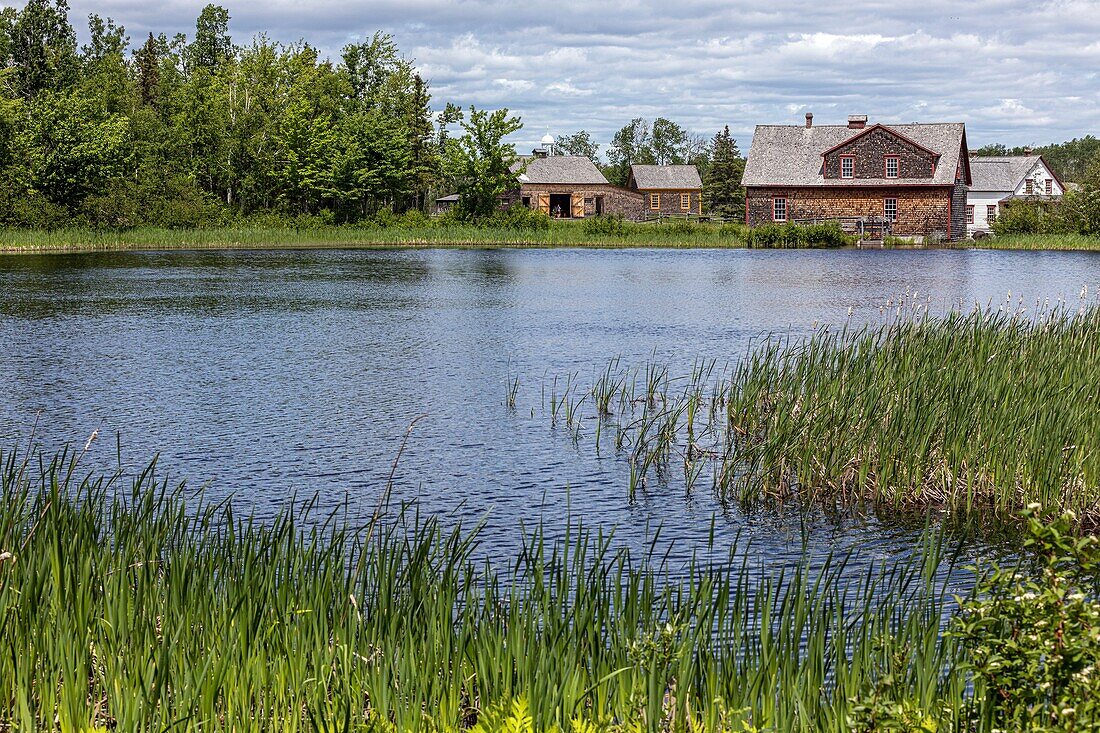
{"x": 183, "y": 205}
{"x": 1020, "y": 217}
{"x": 610, "y": 225}
{"x": 769, "y": 236}
{"x": 736, "y": 231}
{"x": 115, "y": 208}
{"x": 519, "y": 218}
{"x": 680, "y": 226}
{"x": 1033, "y": 635}
{"x": 414, "y": 219}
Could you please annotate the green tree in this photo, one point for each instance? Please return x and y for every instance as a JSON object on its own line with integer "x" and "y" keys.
{"x": 147, "y": 70}
{"x": 579, "y": 143}
{"x": 631, "y": 144}
{"x": 107, "y": 39}
{"x": 484, "y": 161}
{"x": 669, "y": 142}
{"x": 723, "y": 194}
{"x": 212, "y": 46}
{"x": 43, "y": 47}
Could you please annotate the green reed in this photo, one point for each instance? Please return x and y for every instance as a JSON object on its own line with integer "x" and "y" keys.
{"x": 980, "y": 413}
{"x": 143, "y": 607}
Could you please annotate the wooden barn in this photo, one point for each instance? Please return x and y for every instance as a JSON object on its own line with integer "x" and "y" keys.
{"x": 911, "y": 178}
{"x": 572, "y": 187}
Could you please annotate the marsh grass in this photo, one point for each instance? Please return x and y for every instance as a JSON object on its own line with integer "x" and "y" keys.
{"x": 1079, "y": 242}
{"x": 141, "y": 607}
{"x": 976, "y": 414}
{"x": 443, "y": 233}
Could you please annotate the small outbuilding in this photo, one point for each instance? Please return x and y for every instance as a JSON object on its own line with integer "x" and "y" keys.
{"x": 571, "y": 187}
{"x": 668, "y": 189}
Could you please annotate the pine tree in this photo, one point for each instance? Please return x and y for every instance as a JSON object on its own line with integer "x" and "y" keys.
{"x": 723, "y": 194}
{"x": 147, "y": 63}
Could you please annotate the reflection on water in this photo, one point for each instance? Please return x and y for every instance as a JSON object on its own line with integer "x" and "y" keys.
{"x": 268, "y": 374}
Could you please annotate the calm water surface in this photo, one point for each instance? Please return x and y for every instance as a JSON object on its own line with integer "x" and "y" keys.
{"x": 269, "y": 374}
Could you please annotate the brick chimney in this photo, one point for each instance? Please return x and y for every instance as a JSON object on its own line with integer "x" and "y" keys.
{"x": 809, "y": 119}
{"x": 1028, "y": 150}
{"x": 857, "y": 122}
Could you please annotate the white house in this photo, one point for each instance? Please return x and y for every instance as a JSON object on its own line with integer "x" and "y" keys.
{"x": 997, "y": 179}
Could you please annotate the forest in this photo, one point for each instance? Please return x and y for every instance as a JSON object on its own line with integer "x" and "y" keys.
{"x": 188, "y": 132}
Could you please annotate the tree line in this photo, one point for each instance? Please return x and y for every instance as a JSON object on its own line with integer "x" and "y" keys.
{"x": 194, "y": 131}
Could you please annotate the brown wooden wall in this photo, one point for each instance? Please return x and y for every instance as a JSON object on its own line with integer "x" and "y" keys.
{"x": 670, "y": 200}
{"x": 921, "y": 211}
{"x": 869, "y": 152}
{"x": 617, "y": 201}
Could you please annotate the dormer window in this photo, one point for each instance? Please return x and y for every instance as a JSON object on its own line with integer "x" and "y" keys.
{"x": 891, "y": 166}
{"x": 847, "y": 166}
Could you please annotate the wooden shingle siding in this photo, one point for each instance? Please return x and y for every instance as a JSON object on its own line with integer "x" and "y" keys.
{"x": 670, "y": 201}
{"x": 869, "y": 152}
{"x": 921, "y": 211}
{"x": 582, "y": 199}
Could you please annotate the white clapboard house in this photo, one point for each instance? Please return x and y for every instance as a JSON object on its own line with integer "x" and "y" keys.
{"x": 998, "y": 179}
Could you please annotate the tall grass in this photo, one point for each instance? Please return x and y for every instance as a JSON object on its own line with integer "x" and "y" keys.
{"x": 132, "y": 609}
{"x": 443, "y": 232}
{"x": 1041, "y": 242}
{"x": 977, "y": 414}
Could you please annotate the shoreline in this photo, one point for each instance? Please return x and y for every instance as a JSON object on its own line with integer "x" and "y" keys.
{"x": 707, "y": 236}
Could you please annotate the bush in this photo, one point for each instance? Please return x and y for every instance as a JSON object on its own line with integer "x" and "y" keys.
{"x": 680, "y": 226}
{"x": 116, "y": 208}
{"x": 1020, "y": 217}
{"x": 183, "y": 205}
{"x": 519, "y": 218}
{"x": 610, "y": 225}
{"x": 736, "y": 231}
{"x": 1033, "y": 636}
{"x": 778, "y": 236}
{"x": 414, "y": 219}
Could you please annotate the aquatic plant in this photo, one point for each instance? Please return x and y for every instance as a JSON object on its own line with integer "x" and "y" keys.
{"x": 141, "y": 607}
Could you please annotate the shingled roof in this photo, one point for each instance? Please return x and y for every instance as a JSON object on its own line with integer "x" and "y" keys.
{"x": 791, "y": 155}
{"x": 1001, "y": 173}
{"x": 569, "y": 169}
{"x": 666, "y": 176}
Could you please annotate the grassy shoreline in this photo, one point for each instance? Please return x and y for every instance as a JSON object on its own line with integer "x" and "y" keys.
{"x": 560, "y": 234}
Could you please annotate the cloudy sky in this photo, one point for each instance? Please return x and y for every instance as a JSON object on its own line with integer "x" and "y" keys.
{"x": 1016, "y": 71}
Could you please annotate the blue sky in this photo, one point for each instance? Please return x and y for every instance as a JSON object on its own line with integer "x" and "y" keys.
{"x": 1019, "y": 72}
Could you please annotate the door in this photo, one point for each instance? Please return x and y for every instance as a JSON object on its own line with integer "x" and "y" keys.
{"x": 578, "y": 206}
{"x": 544, "y": 203}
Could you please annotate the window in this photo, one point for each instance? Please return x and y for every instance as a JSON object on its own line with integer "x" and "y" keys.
{"x": 1029, "y": 187}
{"x": 654, "y": 200}
{"x": 891, "y": 166}
{"x": 1050, "y": 187}
{"x": 969, "y": 214}
{"x": 847, "y": 166}
{"x": 779, "y": 209}
{"x": 685, "y": 201}
{"x": 890, "y": 209}
{"x": 991, "y": 213}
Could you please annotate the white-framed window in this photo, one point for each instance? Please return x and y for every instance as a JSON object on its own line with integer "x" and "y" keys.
{"x": 779, "y": 209}
{"x": 891, "y": 166}
{"x": 1050, "y": 187}
{"x": 654, "y": 200}
{"x": 991, "y": 213}
{"x": 970, "y": 214}
{"x": 847, "y": 166}
{"x": 685, "y": 202}
{"x": 890, "y": 209}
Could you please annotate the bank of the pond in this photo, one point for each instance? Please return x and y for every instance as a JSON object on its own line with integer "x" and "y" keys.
{"x": 666, "y": 234}
{"x": 559, "y": 234}
{"x": 1069, "y": 242}
{"x": 146, "y": 613}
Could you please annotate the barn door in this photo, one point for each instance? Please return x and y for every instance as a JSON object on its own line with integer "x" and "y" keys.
{"x": 578, "y": 206}
{"x": 544, "y": 203}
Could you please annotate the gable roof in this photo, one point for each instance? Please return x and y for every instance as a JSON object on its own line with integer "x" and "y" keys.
{"x": 575, "y": 169}
{"x": 666, "y": 176}
{"x": 791, "y": 155}
{"x": 1005, "y": 172}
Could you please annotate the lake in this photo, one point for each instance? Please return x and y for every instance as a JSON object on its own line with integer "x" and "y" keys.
{"x": 272, "y": 374}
